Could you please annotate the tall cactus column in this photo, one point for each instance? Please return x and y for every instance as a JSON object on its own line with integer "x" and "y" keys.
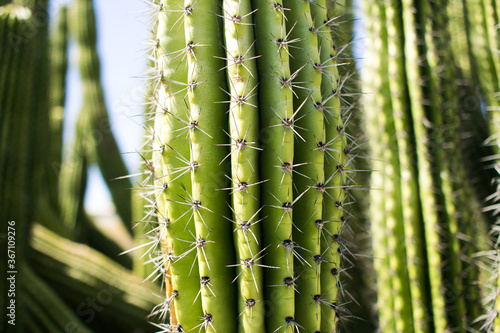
{"x": 208, "y": 113}
{"x": 421, "y": 200}
{"x": 277, "y": 135}
{"x": 249, "y": 167}
{"x": 244, "y": 137}
{"x": 481, "y": 18}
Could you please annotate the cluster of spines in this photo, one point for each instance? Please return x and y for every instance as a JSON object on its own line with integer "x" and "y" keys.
{"x": 250, "y": 139}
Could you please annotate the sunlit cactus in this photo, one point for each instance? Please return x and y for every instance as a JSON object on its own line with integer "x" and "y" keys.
{"x": 251, "y": 166}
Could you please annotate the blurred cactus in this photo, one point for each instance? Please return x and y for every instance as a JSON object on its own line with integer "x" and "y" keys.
{"x": 35, "y": 187}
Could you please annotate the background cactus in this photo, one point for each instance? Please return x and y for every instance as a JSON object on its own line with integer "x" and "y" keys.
{"x": 429, "y": 215}
{"x": 36, "y": 191}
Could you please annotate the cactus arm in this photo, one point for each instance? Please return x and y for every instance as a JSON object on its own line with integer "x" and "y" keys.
{"x": 463, "y": 204}
{"x": 14, "y": 19}
{"x": 310, "y": 206}
{"x": 16, "y": 191}
{"x": 425, "y": 180}
{"x": 441, "y": 103}
{"x": 271, "y": 199}
{"x": 374, "y": 127}
{"x": 243, "y": 132}
{"x": 202, "y": 29}
{"x": 47, "y": 306}
{"x": 73, "y": 182}
{"x": 104, "y": 149}
{"x": 392, "y": 189}
{"x": 484, "y": 50}
{"x": 58, "y": 62}
{"x": 275, "y": 106}
{"x": 392, "y": 206}
{"x": 409, "y": 190}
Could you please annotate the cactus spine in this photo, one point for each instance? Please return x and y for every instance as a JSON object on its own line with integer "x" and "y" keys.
{"x": 250, "y": 139}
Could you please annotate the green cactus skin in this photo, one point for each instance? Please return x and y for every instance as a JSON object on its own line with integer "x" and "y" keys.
{"x": 409, "y": 192}
{"x": 426, "y": 186}
{"x": 78, "y": 272}
{"x": 16, "y": 146}
{"x": 54, "y": 317}
{"x": 376, "y": 123}
{"x": 339, "y": 152}
{"x": 24, "y": 137}
{"x": 434, "y": 284}
{"x": 73, "y": 181}
{"x": 244, "y": 132}
{"x": 171, "y": 162}
{"x": 310, "y": 186}
{"x": 393, "y": 207}
{"x": 205, "y": 96}
{"x": 58, "y": 54}
{"x": 276, "y": 97}
{"x": 265, "y": 112}
{"x": 462, "y": 201}
{"x": 481, "y": 18}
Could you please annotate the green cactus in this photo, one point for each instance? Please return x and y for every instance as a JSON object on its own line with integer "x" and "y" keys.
{"x": 98, "y": 140}
{"x": 249, "y": 173}
{"x": 482, "y": 21}
{"x": 79, "y": 272}
{"x": 58, "y": 54}
{"x": 16, "y": 84}
{"x": 428, "y": 208}
{"x": 251, "y": 166}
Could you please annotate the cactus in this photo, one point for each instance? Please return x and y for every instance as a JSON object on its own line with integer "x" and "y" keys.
{"x": 427, "y": 219}
{"x": 251, "y": 166}
{"x": 80, "y": 273}
{"x": 248, "y": 178}
{"x": 98, "y": 140}
{"x": 56, "y": 317}
{"x": 29, "y": 193}
{"x": 58, "y": 53}
{"x": 485, "y": 61}
{"x": 23, "y": 119}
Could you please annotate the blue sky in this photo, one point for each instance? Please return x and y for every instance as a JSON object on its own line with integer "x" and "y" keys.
{"x": 122, "y": 36}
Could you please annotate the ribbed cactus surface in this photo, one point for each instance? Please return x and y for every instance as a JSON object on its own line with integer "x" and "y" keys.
{"x": 251, "y": 166}
{"x": 425, "y": 219}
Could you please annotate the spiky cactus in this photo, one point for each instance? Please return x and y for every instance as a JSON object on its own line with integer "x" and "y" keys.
{"x": 251, "y": 166}
{"x": 425, "y": 218}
